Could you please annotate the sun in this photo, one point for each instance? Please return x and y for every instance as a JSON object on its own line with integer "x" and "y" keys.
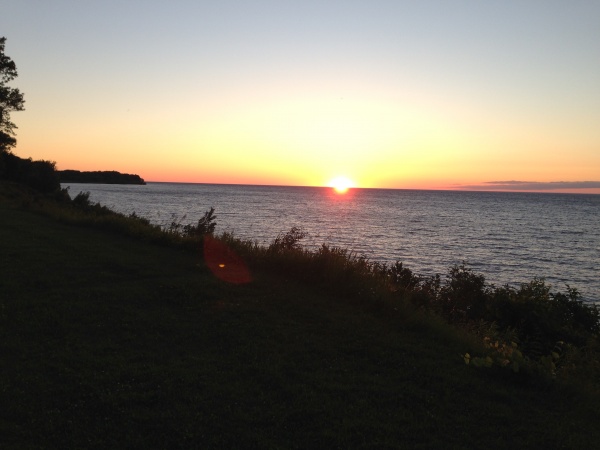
{"x": 341, "y": 184}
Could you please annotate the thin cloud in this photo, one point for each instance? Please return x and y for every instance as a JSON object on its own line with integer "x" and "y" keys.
{"x": 514, "y": 185}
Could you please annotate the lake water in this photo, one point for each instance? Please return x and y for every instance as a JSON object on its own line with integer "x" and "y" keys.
{"x": 508, "y": 237}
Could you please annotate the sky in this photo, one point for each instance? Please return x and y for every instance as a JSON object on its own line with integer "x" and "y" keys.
{"x": 492, "y": 95}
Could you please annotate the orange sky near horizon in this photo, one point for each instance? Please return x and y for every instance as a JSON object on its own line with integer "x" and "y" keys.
{"x": 485, "y": 97}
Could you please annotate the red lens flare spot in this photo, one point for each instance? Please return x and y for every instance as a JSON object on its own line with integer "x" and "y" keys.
{"x": 224, "y": 263}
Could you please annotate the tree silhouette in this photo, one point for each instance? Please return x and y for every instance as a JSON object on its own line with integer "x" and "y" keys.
{"x": 10, "y": 100}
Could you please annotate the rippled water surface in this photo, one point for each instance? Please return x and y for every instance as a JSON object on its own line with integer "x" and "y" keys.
{"x": 509, "y": 237}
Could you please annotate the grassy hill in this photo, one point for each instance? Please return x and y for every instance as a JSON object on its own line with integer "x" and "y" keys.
{"x": 108, "y": 341}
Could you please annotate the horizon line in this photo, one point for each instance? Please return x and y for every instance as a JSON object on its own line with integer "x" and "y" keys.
{"x": 487, "y": 187}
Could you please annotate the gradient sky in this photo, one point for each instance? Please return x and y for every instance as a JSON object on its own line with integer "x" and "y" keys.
{"x": 398, "y": 94}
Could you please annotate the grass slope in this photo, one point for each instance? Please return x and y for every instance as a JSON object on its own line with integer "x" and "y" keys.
{"x": 109, "y": 342}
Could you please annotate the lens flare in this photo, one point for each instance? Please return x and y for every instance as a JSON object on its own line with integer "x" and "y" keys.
{"x": 224, "y": 263}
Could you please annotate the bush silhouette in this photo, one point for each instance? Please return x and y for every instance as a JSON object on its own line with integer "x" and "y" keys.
{"x": 39, "y": 175}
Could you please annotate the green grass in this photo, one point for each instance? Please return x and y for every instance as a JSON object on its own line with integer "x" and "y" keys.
{"x": 107, "y": 341}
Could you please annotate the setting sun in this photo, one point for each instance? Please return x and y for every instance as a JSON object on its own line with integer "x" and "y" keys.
{"x": 341, "y": 184}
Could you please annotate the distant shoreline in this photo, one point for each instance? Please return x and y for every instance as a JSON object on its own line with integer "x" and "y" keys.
{"x": 99, "y": 177}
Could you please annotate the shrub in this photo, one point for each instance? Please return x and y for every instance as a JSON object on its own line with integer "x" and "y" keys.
{"x": 400, "y": 277}
{"x": 206, "y": 225}
{"x": 82, "y": 200}
{"x": 464, "y": 295}
{"x": 288, "y": 241}
{"x": 39, "y": 175}
{"x": 543, "y": 317}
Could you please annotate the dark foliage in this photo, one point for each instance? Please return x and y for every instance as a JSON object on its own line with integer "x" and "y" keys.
{"x": 540, "y": 318}
{"x": 82, "y": 200}
{"x": 100, "y": 177}
{"x": 10, "y": 100}
{"x": 402, "y": 277}
{"x": 39, "y": 175}
{"x": 540, "y": 322}
{"x": 288, "y": 241}
{"x": 206, "y": 225}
